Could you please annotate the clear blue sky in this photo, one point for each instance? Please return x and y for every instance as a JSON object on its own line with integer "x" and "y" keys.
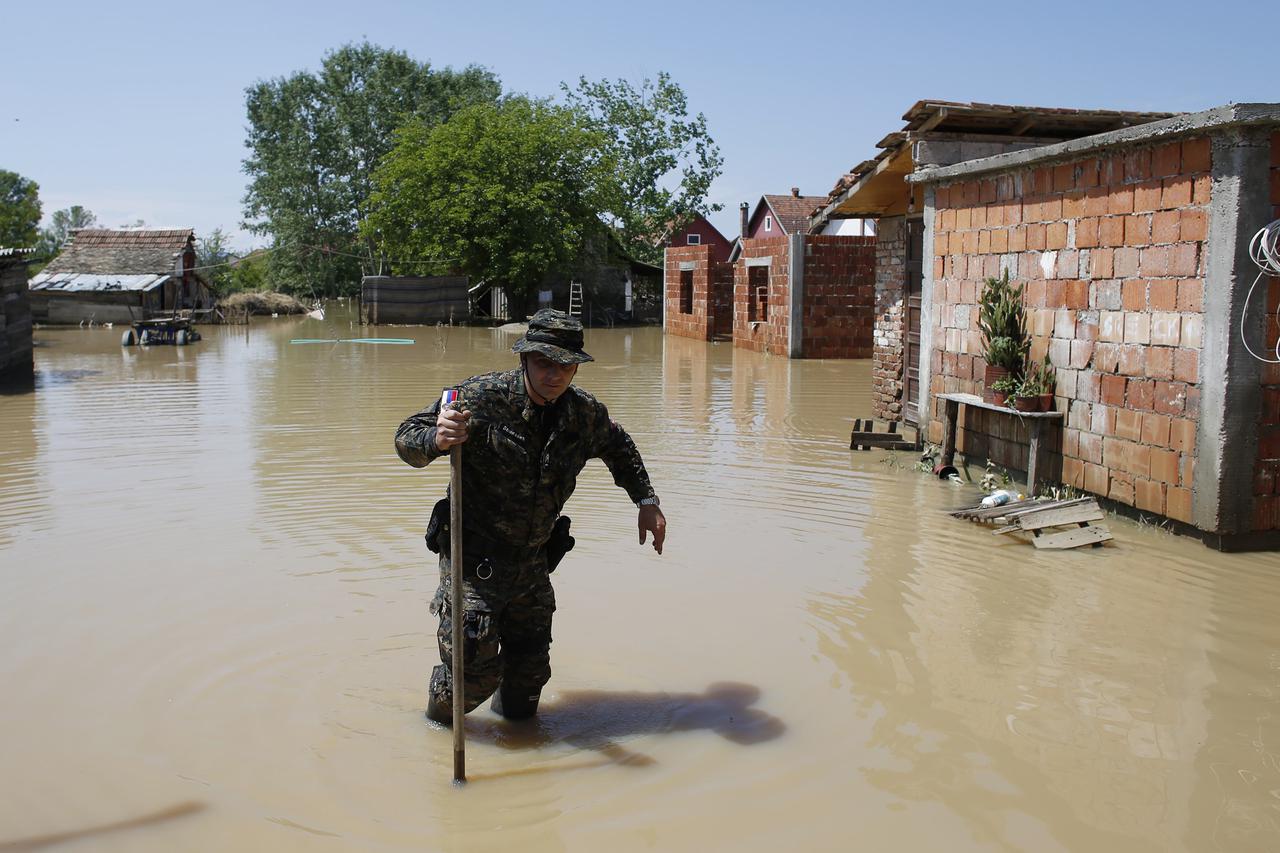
{"x": 136, "y": 110}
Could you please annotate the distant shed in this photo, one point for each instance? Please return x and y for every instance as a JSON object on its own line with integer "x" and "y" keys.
{"x": 117, "y": 276}
{"x": 15, "y": 316}
{"x": 413, "y": 300}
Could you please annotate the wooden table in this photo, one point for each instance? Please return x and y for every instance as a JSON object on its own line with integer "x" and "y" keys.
{"x": 1035, "y": 422}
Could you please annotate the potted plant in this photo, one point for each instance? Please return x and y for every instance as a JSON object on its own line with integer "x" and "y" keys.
{"x": 1002, "y": 388}
{"x": 1048, "y": 383}
{"x": 1003, "y": 323}
{"x": 1027, "y": 397}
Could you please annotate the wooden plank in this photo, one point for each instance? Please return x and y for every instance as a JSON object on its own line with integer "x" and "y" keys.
{"x": 981, "y": 512}
{"x": 1043, "y": 506}
{"x": 1092, "y": 535}
{"x": 1057, "y": 517}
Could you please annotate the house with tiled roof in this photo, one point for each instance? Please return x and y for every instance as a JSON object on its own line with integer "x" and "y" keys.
{"x": 119, "y": 276}
{"x": 780, "y": 215}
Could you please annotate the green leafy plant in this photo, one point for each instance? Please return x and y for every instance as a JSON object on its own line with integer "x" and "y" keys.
{"x": 1006, "y": 385}
{"x": 1002, "y": 319}
{"x": 929, "y": 459}
{"x": 994, "y": 478}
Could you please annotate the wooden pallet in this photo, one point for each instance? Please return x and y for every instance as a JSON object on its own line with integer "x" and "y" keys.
{"x": 864, "y": 437}
{"x": 1042, "y": 518}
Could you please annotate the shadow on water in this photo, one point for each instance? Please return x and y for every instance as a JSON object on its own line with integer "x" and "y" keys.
{"x": 13, "y": 386}
{"x": 596, "y": 719}
{"x": 41, "y": 841}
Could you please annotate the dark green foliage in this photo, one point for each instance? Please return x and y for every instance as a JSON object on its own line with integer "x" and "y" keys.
{"x": 213, "y": 258}
{"x": 314, "y": 141}
{"x": 666, "y": 160}
{"x": 1003, "y": 322}
{"x": 503, "y": 192}
{"x": 61, "y": 225}
{"x": 19, "y": 211}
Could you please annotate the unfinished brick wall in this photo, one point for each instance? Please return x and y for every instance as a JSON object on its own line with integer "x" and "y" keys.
{"x": 888, "y": 340}
{"x": 707, "y": 274}
{"x": 769, "y": 335}
{"x": 1266, "y": 480}
{"x": 1111, "y": 249}
{"x": 838, "y": 296}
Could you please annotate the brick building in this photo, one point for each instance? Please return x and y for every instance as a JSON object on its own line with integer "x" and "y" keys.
{"x": 936, "y": 133}
{"x": 1133, "y": 246}
{"x": 781, "y": 291}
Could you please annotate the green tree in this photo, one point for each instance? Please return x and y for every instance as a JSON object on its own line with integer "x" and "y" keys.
{"x": 666, "y": 160}
{"x": 213, "y": 258}
{"x": 314, "y": 141}
{"x": 61, "y": 225}
{"x": 504, "y": 192}
{"x": 19, "y": 210}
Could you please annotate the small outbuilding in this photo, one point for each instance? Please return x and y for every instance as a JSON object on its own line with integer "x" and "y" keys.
{"x": 16, "y": 364}
{"x": 120, "y": 276}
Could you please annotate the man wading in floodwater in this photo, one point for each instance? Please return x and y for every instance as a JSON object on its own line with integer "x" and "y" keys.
{"x": 528, "y": 432}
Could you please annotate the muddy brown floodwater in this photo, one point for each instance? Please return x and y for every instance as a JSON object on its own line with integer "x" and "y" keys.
{"x": 214, "y": 631}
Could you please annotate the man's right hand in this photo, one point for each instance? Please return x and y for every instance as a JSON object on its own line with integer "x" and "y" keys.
{"x": 451, "y": 428}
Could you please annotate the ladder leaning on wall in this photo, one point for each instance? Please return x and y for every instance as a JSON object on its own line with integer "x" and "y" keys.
{"x": 575, "y": 299}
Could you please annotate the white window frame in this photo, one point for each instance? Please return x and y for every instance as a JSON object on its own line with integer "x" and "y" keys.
{"x": 693, "y": 239}
{"x": 768, "y": 223}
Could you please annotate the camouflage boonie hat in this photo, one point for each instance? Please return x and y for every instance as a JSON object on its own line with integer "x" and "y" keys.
{"x": 556, "y": 335}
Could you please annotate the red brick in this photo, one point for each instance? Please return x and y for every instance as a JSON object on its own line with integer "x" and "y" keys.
{"x": 1133, "y": 295}
{"x": 1095, "y": 479}
{"x": 1184, "y": 259}
{"x": 1201, "y": 188}
{"x": 1176, "y": 192}
{"x": 1121, "y": 200}
{"x": 1141, "y": 394}
{"x": 1086, "y": 233}
{"x": 1091, "y": 447}
{"x": 1018, "y": 239}
{"x": 1036, "y": 237}
{"x": 1164, "y": 466}
{"x": 1101, "y": 263}
{"x": 1073, "y": 205}
{"x": 1096, "y": 202}
{"x": 1150, "y": 496}
{"x": 1186, "y": 365}
{"x": 1146, "y": 197}
{"x": 1155, "y": 429}
{"x": 1177, "y": 503}
{"x": 1056, "y": 235}
{"x": 1182, "y": 435}
{"x": 1126, "y": 262}
{"x": 1102, "y": 420}
{"x": 1165, "y": 226}
{"x": 1159, "y": 362}
{"x": 1121, "y": 488}
{"x": 1195, "y": 155}
{"x": 1132, "y": 361}
{"x": 1128, "y": 425}
{"x": 1193, "y": 225}
{"x": 1113, "y": 390}
{"x": 1111, "y": 231}
{"x": 1171, "y": 397}
{"x": 1162, "y": 295}
{"x": 1077, "y": 295}
{"x": 1137, "y": 230}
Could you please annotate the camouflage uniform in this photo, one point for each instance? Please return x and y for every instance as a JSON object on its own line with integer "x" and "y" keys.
{"x": 519, "y": 466}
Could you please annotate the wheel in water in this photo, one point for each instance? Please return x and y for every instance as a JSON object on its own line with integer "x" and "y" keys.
{"x": 181, "y": 338}
{"x": 145, "y": 338}
{"x": 128, "y": 339}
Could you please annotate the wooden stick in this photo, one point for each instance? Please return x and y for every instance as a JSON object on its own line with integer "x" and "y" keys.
{"x": 455, "y": 607}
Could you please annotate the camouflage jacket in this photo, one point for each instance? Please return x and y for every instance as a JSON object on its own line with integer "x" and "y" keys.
{"x": 520, "y": 462}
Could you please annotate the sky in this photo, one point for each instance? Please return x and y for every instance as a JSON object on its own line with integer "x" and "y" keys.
{"x": 136, "y": 110}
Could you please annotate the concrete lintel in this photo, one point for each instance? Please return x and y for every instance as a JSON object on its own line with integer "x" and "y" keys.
{"x": 1230, "y": 393}
{"x": 795, "y": 289}
{"x": 766, "y": 261}
{"x": 1190, "y": 124}
{"x": 686, "y": 266}
{"x": 924, "y": 412}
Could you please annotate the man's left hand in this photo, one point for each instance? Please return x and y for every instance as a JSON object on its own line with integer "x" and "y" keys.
{"x": 653, "y": 521}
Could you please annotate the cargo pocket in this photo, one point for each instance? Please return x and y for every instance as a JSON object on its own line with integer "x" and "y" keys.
{"x": 479, "y": 637}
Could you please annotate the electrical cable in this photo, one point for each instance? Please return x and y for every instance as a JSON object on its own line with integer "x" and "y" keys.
{"x": 1264, "y": 250}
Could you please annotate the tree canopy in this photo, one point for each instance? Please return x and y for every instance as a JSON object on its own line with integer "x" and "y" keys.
{"x": 505, "y": 192}
{"x": 666, "y": 160}
{"x": 19, "y": 210}
{"x": 314, "y": 141}
{"x": 61, "y": 224}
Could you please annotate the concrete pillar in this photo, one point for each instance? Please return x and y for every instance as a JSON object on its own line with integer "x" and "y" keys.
{"x": 795, "y": 280}
{"x": 1230, "y": 394}
{"x": 924, "y": 412}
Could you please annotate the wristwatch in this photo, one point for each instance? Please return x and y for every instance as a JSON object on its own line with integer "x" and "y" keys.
{"x": 653, "y": 501}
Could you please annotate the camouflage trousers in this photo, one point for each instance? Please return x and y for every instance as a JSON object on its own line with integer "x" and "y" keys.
{"x": 506, "y": 627}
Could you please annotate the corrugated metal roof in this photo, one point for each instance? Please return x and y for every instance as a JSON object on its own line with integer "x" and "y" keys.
{"x": 71, "y": 282}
